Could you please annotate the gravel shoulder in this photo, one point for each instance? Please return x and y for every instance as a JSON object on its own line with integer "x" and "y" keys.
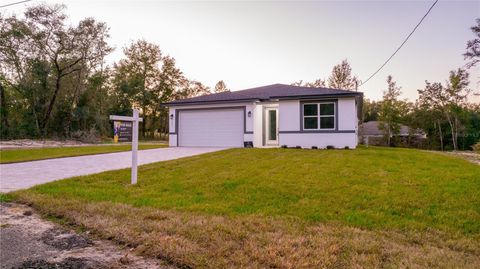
{"x": 28, "y": 241}
{"x": 471, "y": 156}
{"x": 31, "y": 143}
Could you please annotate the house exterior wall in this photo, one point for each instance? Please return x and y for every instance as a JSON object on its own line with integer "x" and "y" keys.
{"x": 320, "y": 140}
{"x": 289, "y": 115}
{"x": 173, "y": 134}
{"x": 289, "y": 123}
{"x": 292, "y": 135}
{"x": 347, "y": 116}
{"x": 258, "y": 125}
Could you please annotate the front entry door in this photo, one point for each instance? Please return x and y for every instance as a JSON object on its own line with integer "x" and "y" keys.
{"x": 271, "y": 126}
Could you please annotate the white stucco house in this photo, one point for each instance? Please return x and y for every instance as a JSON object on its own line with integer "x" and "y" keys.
{"x": 269, "y": 116}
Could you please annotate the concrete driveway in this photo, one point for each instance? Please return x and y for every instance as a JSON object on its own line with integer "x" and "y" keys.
{"x": 24, "y": 175}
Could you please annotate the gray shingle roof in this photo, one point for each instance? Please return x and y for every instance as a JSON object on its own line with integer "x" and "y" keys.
{"x": 275, "y": 91}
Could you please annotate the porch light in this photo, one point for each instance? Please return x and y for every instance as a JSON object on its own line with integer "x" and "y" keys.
{"x": 171, "y": 116}
{"x": 249, "y": 114}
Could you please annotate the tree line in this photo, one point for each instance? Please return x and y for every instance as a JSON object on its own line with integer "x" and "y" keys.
{"x": 441, "y": 110}
{"x": 54, "y": 82}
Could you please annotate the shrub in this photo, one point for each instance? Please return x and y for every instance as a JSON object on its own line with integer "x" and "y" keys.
{"x": 284, "y": 146}
{"x": 476, "y": 147}
{"x": 90, "y": 136}
{"x": 330, "y": 147}
{"x": 314, "y": 147}
{"x": 346, "y": 147}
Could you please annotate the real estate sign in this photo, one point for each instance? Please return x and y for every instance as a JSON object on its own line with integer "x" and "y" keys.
{"x": 122, "y": 131}
{"x": 126, "y": 129}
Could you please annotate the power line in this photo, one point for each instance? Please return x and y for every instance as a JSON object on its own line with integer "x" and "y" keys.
{"x": 405, "y": 41}
{"x": 15, "y": 3}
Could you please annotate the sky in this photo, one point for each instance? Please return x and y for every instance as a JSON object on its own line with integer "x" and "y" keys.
{"x": 251, "y": 43}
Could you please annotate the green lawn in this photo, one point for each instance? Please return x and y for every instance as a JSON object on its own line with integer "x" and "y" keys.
{"x": 24, "y": 155}
{"x": 380, "y": 190}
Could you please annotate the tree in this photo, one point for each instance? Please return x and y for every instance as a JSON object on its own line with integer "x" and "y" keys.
{"x": 449, "y": 100}
{"x": 192, "y": 88}
{"x": 43, "y": 43}
{"x": 457, "y": 92}
{"x": 371, "y": 110}
{"x": 318, "y": 83}
{"x": 391, "y": 110}
{"x": 342, "y": 78}
{"x": 54, "y": 80}
{"x": 3, "y": 112}
{"x": 221, "y": 87}
{"x": 138, "y": 76}
{"x": 171, "y": 80}
{"x": 473, "y": 46}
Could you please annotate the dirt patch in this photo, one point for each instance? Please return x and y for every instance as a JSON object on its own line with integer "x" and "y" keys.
{"x": 28, "y": 241}
{"x": 70, "y": 263}
{"x": 470, "y": 156}
{"x": 63, "y": 240}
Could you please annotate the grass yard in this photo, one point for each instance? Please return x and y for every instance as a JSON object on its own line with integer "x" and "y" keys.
{"x": 25, "y": 155}
{"x": 287, "y": 208}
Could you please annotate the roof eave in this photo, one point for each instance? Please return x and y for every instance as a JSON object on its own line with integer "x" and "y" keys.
{"x": 295, "y": 97}
{"x": 316, "y": 96}
{"x": 174, "y": 103}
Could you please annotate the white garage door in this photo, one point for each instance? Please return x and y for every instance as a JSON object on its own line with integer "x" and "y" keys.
{"x": 211, "y": 128}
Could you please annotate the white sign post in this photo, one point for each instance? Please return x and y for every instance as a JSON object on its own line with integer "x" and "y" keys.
{"x": 135, "y": 119}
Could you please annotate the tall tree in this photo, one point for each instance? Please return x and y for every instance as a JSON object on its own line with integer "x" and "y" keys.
{"x": 139, "y": 75}
{"x": 457, "y": 92}
{"x": 3, "y": 111}
{"x": 448, "y": 100}
{"x": 171, "y": 79}
{"x": 221, "y": 87}
{"x": 342, "y": 78}
{"x": 192, "y": 88}
{"x": 44, "y": 40}
{"x": 473, "y": 46}
{"x": 391, "y": 110}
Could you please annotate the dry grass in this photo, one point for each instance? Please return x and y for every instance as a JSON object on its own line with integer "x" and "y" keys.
{"x": 207, "y": 241}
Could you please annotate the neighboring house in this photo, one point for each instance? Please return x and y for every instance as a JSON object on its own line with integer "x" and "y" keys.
{"x": 268, "y": 116}
{"x": 370, "y": 133}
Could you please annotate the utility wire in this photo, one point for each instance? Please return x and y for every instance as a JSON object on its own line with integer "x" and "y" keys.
{"x": 405, "y": 41}
{"x": 15, "y": 3}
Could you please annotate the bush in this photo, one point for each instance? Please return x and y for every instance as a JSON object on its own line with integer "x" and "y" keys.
{"x": 476, "y": 147}
{"x": 91, "y": 136}
{"x": 346, "y": 147}
{"x": 330, "y": 147}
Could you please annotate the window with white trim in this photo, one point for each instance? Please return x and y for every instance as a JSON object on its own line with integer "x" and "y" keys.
{"x": 319, "y": 116}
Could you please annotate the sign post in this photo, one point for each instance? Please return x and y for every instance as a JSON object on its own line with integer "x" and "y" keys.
{"x": 125, "y": 129}
{"x": 134, "y": 146}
